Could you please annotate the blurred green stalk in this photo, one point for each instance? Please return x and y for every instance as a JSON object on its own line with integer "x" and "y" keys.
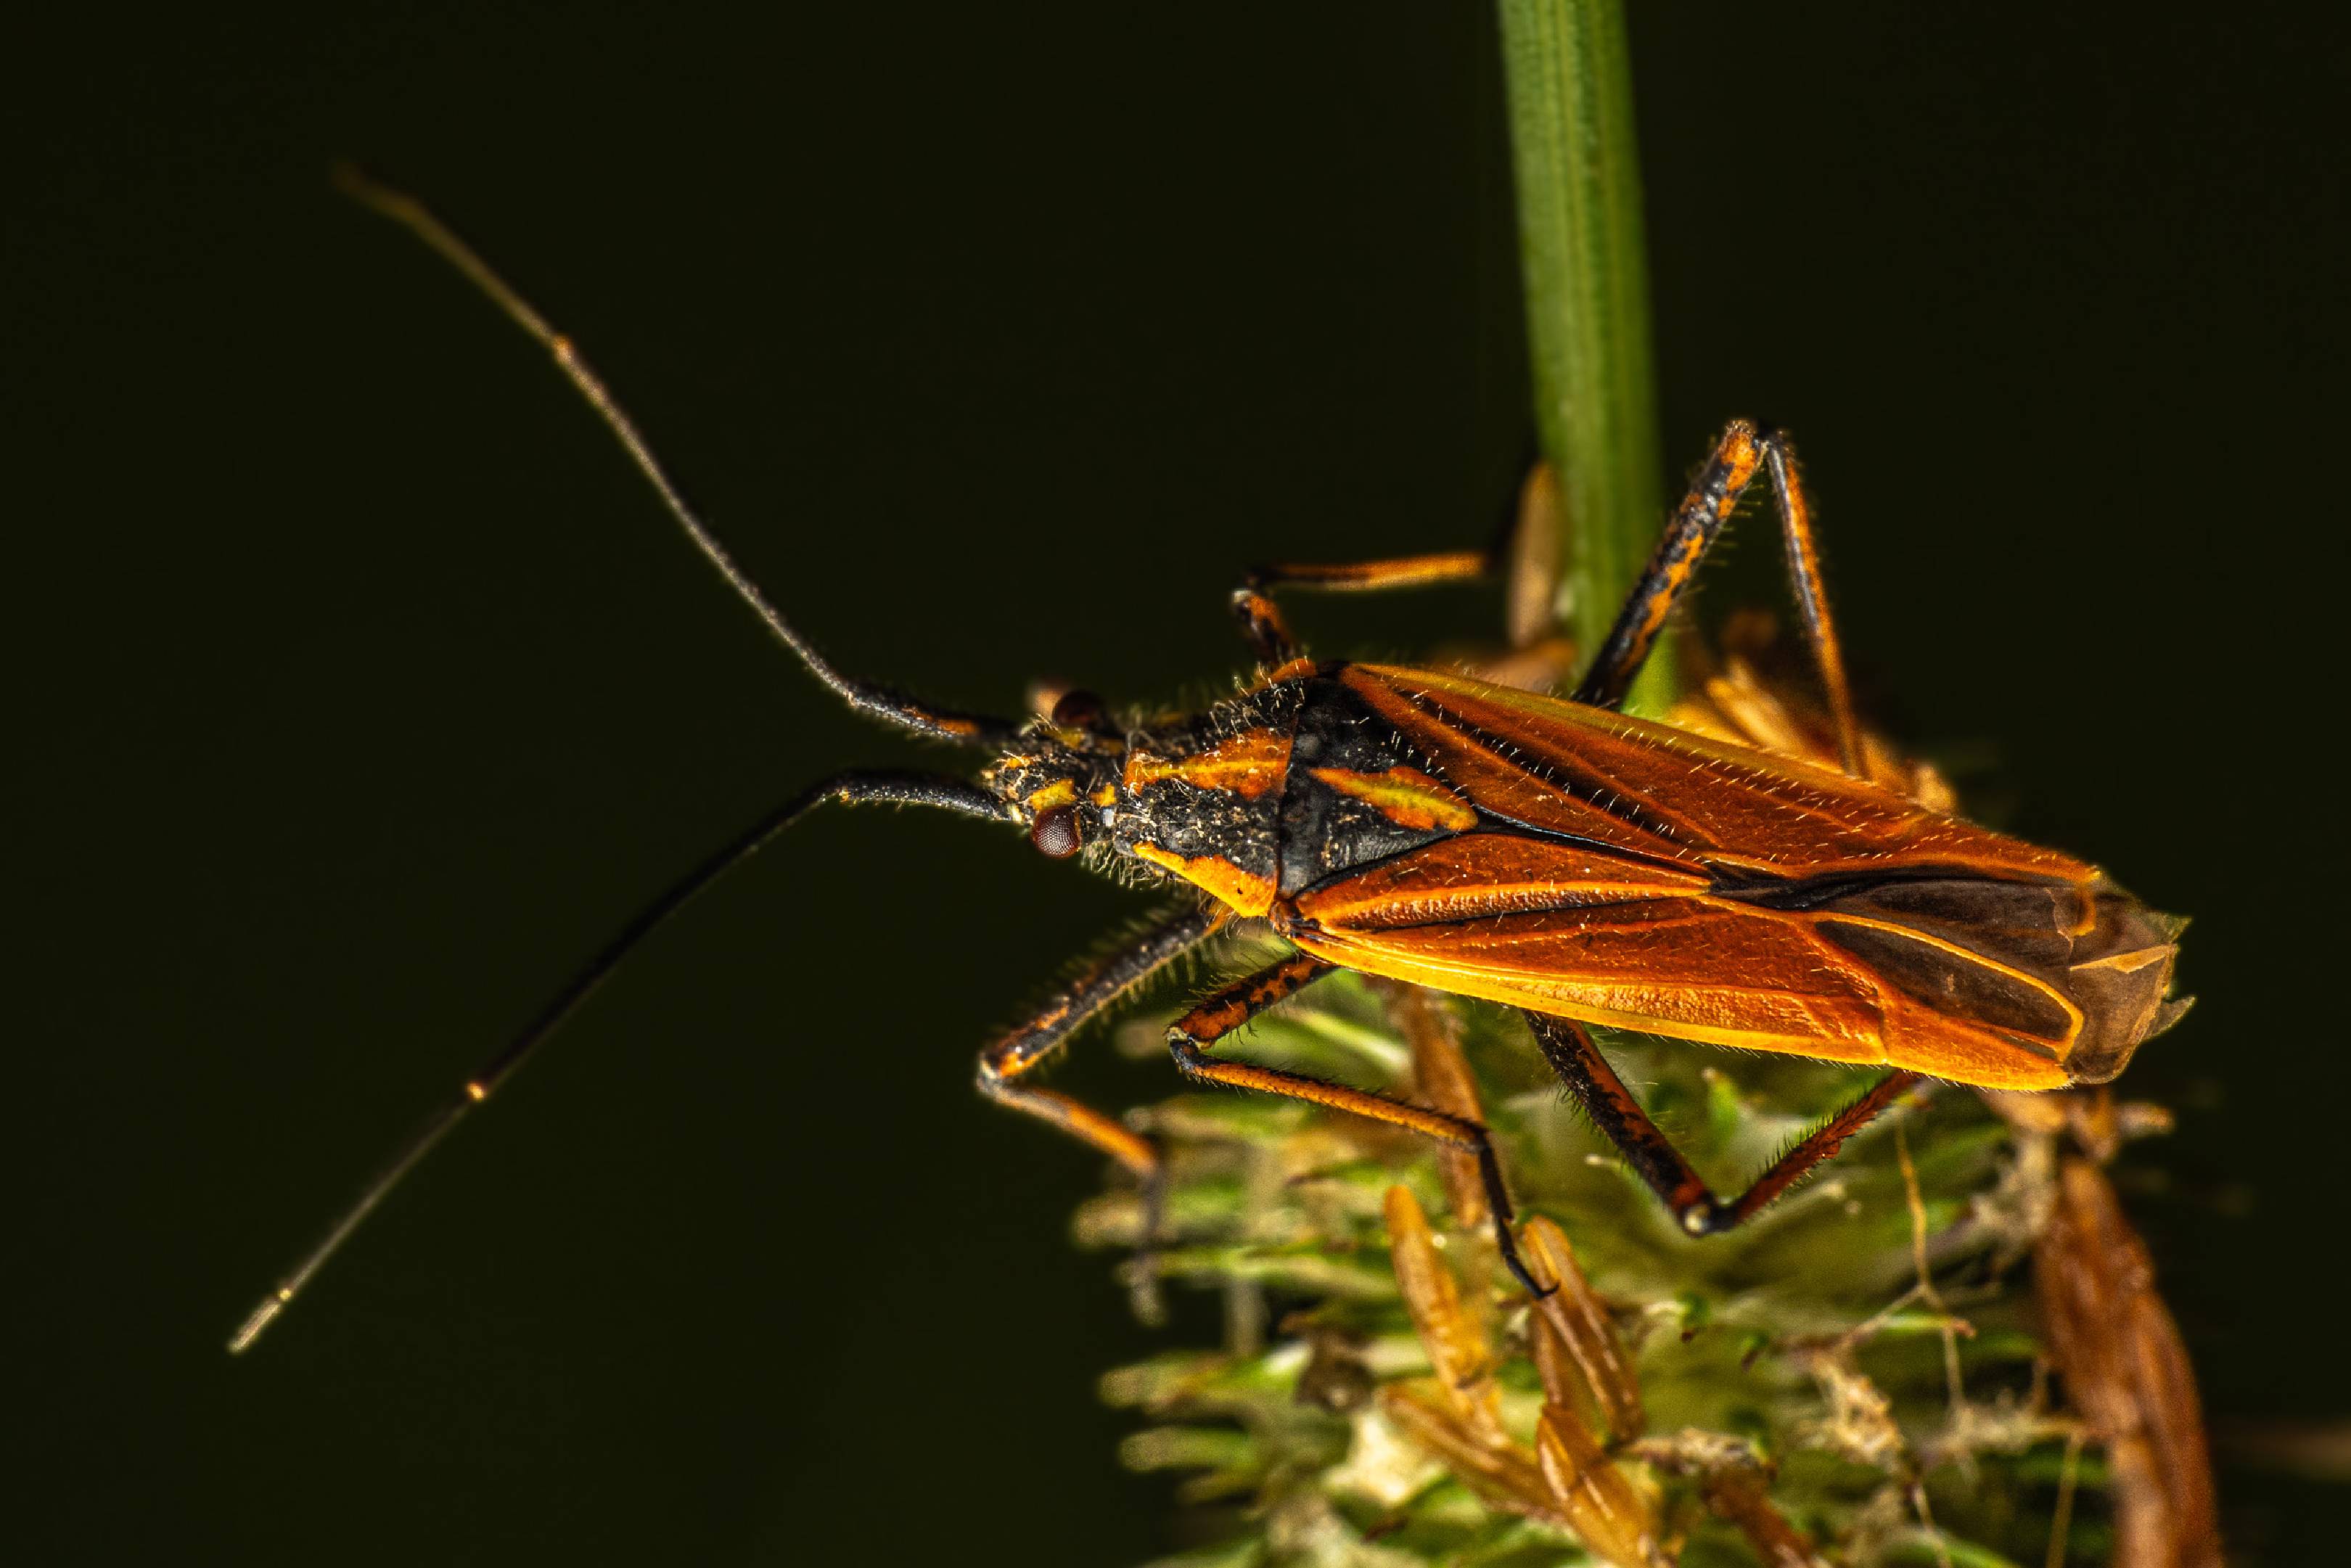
{"x": 1570, "y": 84}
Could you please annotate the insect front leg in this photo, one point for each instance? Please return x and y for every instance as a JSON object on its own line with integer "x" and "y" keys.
{"x": 1013, "y": 1054}
{"x": 1222, "y": 1011}
{"x": 1713, "y": 496}
{"x": 1569, "y": 1048}
{"x": 1009, "y": 1058}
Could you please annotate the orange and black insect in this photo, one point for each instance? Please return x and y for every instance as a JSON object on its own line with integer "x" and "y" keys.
{"x": 1551, "y": 854}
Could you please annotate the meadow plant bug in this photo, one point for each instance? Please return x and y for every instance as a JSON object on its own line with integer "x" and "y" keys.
{"x": 1550, "y": 855}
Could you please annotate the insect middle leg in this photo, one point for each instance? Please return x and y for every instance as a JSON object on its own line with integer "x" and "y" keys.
{"x": 1222, "y": 1011}
{"x": 1713, "y": 496}
{"x": 1524, "y": 551}
{"x": 1569, "y": 1048}
{"x": 1269, "y": 634}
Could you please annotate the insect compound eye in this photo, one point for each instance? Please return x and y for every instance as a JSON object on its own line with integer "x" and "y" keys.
{"x": 1055, "y": 831}
{"x": 1078, "y": 710}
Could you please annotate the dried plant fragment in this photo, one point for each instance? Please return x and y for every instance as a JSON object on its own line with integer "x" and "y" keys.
{"x": 1600, "y": 1503}
{"x": 1457, "y": 1348}
{"x": 1442, "y": 1077}
{"x": 1569, "y": 1478}
{"x": 1577, "y": 1321}
{"x": 1859, "y": 1426}
{"x": 2127, "y": 1373}
{"x": 1739, "y": 1496}
{"x": 1502, "y": 1475}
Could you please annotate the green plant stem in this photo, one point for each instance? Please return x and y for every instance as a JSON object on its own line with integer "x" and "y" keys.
{"x": 1587, "y": 296}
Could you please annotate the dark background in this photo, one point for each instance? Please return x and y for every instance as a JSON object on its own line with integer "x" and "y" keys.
{"x": 364, "y": 690}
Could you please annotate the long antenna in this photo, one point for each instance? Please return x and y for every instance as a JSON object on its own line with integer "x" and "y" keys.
{"x": 850, "y": 788}
{"x": 865, "y": 697}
